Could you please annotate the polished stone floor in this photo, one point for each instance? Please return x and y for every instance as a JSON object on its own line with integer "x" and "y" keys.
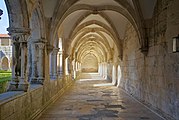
{"x": 96, "y": 99}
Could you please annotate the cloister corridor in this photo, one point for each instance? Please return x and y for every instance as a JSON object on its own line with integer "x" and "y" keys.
{"x": 88, "y": 59}
{"x": 94, "y": 98}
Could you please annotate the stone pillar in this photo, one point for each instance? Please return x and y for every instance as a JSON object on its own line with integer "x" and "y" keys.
{"x": 114, "y": 75}
{"x": 103, "y": 70}
{"x": 23, "y": 78}
{"x": 119, "y": 75}
{"x": 55, "y": 62}
{"x": 60, "y": 72}
{"x": 53, "y": 67}
{"x": 66, "y": 66}
{"x": 34, "y": 63}
{"x": 14, "y": 77}
{"x": 41, "y": 63}
{"x": 74, "y": 68}
{"x": 76, "y": 64}
{"x": 80, "y": 67}
{"x": 19, "y": 59}
{"x": 100, "y": 69}
{"x": 9, "y": 64}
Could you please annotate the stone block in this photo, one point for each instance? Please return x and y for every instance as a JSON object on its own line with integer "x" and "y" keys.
{"x": 7, "y": 109}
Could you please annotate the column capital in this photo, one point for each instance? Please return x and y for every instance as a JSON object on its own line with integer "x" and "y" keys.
{"x": 19, "y": 34}
{"x": 21, "y": 30}
{"x": 38, "y": 40}
{"x": 61, "y": 52}
{"x": 55, "y": 50}
{"x": 49, "y": 48}
{"x": 40, "y": 45}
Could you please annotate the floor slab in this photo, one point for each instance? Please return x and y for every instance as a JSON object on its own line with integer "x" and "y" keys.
{"x": 97, "y": 100}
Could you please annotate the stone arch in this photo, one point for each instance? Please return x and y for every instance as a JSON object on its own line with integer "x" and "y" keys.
{"x": 5, "y": 63}
{"x": 129, "y": 13}
{"x": 90, "y": 63}
{"x": 36, "y": 45}
{"x": 37, "y": 25}
{"x": 111, "y": 28}
{"x": 102, "y": 39}
{"x": 108, "y": 30}
{"x": 18, "y": 14}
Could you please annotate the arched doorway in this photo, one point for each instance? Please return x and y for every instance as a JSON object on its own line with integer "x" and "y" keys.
{"x": 90, "y": 64}
{"x": 5, "y": 63}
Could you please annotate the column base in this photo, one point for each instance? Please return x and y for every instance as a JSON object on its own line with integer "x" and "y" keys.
{"x": 38, "y": 80}
{"x": 41, "y": 80}
{"x": 60, "y": 73}
{"x": 33, "y": 79}
{"x": 21, "y": 86}
{"x": 53, "y": 77}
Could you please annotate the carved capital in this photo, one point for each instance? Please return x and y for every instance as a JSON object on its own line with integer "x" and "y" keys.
{"x": 61, "y": 52}
{"x": 40, "y": 45}
{"x": 49, "y": 48}
{"x": 22, "y": 30}
{"x": 55, "y": 50}
{"x": 19, "y": 34}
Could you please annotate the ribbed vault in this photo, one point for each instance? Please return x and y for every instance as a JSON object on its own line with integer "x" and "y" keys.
{"x": 95, "y": 28}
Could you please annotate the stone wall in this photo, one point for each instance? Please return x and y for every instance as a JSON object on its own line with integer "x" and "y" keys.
{"x": 90, "y": 64}
{"x": 109, "y": 71}
{"x": 154, "y": 79}
{"x": 28, "y": 105}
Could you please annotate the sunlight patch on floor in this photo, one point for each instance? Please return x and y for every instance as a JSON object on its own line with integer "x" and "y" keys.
{"x": 104, "y": 84}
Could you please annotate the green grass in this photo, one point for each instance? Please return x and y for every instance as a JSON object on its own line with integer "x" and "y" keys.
{"x": 3, "y": 71}
{"x": 5, "y": 76}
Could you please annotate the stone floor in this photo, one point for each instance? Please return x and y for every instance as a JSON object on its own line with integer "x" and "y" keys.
{"x": 94, "y": 99}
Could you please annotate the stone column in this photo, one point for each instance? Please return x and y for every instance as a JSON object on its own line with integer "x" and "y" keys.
{"x": 14, "y": 77}
{"x": 9, "y": 64}
{"x": 106, "y": 70}
{"x": 74, "y": 69}
{"x": 103, "y": 69}
{"x": 76, "y": 64}
{"x": 23, "y": 78}
{"x": 53, "y": 67}
{"x": 41, "y": 63}
{"x": 61, "y": 64}
{"x": 19, "y": 59}
{"x": 80, "y": 67}
{"x": 100, "y": 69}
{"x": 34, "y": 63}
{"x": 66, "y": 66}
{"x": 55, "y": 62}
{"x": 114, "y": 75}
{"x": 51, "y": 64}
{"x": 119, "y": 75}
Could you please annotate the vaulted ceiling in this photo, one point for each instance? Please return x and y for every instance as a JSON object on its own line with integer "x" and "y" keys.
{"x": 96, "y": 27}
